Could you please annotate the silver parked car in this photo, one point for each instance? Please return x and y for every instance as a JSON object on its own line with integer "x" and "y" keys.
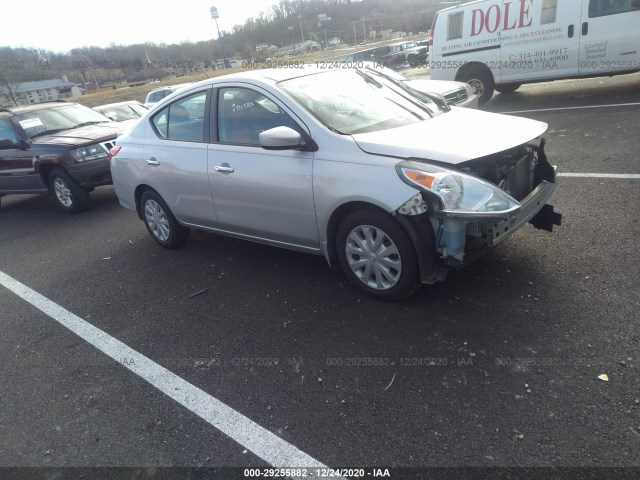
{"x": 333, "y": 162}
{"x": 459, "y": 94}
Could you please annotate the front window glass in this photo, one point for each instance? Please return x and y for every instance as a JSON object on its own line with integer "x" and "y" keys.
{"x": 243, "y": 113}
{"x": 58, "y": 118}
{"x": 352, "y": 102}
{"x": 600, "y": 8}
{"x": 7, "y": 135}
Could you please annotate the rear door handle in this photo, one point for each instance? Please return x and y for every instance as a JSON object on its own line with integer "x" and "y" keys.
{"x": 585, "y": 28}
{"x": 153, "y": 161}
{"x": 570, "y": 31}
{"x": 223, "y": 168}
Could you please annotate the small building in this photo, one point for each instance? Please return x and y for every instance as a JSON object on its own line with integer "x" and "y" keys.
{"x": 38, "y": 91}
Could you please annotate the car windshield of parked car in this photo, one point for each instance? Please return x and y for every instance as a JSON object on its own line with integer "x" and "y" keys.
{"x": 46, "y": 121}
{"x": 120, "y": 113}
{"x": 350, "y": 102}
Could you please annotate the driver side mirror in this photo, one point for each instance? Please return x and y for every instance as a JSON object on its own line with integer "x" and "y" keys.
{"x": 281, "y": 138}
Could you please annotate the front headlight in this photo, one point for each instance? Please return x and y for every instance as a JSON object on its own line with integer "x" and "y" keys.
{"x": 90, "y": 152}
{"x": 458, "y": 194}
{"x": 469, "y": 89}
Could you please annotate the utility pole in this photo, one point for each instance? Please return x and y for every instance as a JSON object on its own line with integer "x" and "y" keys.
{"x": 214, "y": 15}
{"x": 364, "y": 31}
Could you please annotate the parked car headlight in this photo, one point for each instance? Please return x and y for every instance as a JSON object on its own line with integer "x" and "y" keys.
{"x": 90, "y": 152}
{"x": 459, "y": 194}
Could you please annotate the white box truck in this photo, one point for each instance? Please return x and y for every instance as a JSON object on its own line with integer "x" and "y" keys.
{"x": 501, "y": 44}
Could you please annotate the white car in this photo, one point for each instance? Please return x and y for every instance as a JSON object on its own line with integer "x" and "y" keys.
{"x": 334, "y": 162}
{"x": 154, "y": 96}
{"x": 459, "y": 94}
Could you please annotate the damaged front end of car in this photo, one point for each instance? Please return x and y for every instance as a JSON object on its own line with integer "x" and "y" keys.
{"x": 463, "y": 210}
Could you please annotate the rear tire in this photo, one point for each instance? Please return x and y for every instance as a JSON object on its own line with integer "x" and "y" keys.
{"x": 160, "y": 222}
{"x": 68, "y": 193}
{"x": 482, "y": 83}
{"x": 377, "y": 256}
{"x": 508, "y": 87}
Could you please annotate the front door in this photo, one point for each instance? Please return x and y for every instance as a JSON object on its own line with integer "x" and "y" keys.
{"x": 17, "y": 172}
{"x": 610, "y": 36}
{"x": 258, "y": 193}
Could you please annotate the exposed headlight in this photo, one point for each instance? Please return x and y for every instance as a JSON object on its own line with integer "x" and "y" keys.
{"x": 459, "y": 194}
{"x": 90, "y": 152}
{"x": 469, "y": 89}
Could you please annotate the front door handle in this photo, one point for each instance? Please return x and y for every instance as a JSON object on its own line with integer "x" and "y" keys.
{"x": 223, "y": 168}
{"x": 585, "y": 28}
{"x": 570, "y": 32}
{"x": 153, "y": 161}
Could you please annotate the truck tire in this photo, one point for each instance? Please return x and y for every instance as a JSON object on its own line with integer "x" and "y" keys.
{"x": 482, "y": 83}
{"x": 68, "y": 194}
{"x": 508, "y": 87}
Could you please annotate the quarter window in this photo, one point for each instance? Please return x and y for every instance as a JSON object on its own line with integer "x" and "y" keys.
{"x": 455, "y": 26}
{"x": 549, "y": 8}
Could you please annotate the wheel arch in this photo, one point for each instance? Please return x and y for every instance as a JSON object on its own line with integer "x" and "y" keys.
{"x": 474, "y": 66}
{"x": 140, "y": 189}
{"x": 336, "y": 218}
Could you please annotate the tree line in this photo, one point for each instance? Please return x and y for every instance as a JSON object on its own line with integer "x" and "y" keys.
{"x": 348, "y": 20}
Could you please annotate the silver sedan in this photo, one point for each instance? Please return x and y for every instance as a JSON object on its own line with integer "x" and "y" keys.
{"x": 393, "y": 189}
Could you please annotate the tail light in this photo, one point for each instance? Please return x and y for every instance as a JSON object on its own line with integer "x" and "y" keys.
{"x": 114, "y": 151}
{"x": 431, "y": 37}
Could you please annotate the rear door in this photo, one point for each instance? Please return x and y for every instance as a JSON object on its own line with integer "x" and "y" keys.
{"x": 610, "y": 36}
{"x": 175, "y": 158}
{"x": 258, "y": 193}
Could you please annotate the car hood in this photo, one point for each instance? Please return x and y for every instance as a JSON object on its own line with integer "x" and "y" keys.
{"x": 433, "y": 86}
{"x": 81, "y": 136}
{"x": 453, "y": 137}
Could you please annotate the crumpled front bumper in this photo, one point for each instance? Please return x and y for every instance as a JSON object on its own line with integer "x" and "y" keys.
{"x": 533, "y": 209}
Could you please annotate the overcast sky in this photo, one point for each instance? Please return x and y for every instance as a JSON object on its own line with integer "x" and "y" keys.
{"x": 61, "y": 26}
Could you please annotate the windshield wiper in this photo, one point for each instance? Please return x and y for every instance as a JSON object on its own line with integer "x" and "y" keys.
{"x": 48, "y": 132}
{"x": 86, "y": 124}
{"x": 369, "y": 78}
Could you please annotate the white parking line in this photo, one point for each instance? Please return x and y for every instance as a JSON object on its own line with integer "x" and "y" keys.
{"x": 576, "y": 108}
{"x": 600, "y": 175}
{"x": 266, "y": 445}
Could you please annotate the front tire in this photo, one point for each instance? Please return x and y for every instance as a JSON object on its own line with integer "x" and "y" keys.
{"x": 377, "y": 256}
{"x": 482, "y": 83}
{"x": 68, "y": 194}
{"x": 160, "y": 222}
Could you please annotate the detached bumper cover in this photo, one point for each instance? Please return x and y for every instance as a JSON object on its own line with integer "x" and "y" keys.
{"x": 533, "y": 209}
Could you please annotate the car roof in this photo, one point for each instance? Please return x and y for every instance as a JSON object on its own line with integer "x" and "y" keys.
{"x": 36, "y": 106}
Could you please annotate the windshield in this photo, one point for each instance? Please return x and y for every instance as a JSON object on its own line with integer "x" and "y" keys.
{"x": 352, "y": 102}
{"x": 121, "y": 113}
{"x": 58, "y": 118}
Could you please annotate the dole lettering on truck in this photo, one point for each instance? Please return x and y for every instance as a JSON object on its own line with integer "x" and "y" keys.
{"x": 476, "y": 42}
{"x": 491, "y": 18}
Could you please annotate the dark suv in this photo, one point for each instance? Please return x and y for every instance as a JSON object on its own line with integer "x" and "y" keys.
{"x": 56, "y": 147}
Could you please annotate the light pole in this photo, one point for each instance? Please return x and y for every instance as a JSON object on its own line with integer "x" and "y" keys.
{"x": 215, "y": 16}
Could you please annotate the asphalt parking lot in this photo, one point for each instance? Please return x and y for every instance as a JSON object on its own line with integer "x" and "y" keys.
{"x": 500, "y": 366}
